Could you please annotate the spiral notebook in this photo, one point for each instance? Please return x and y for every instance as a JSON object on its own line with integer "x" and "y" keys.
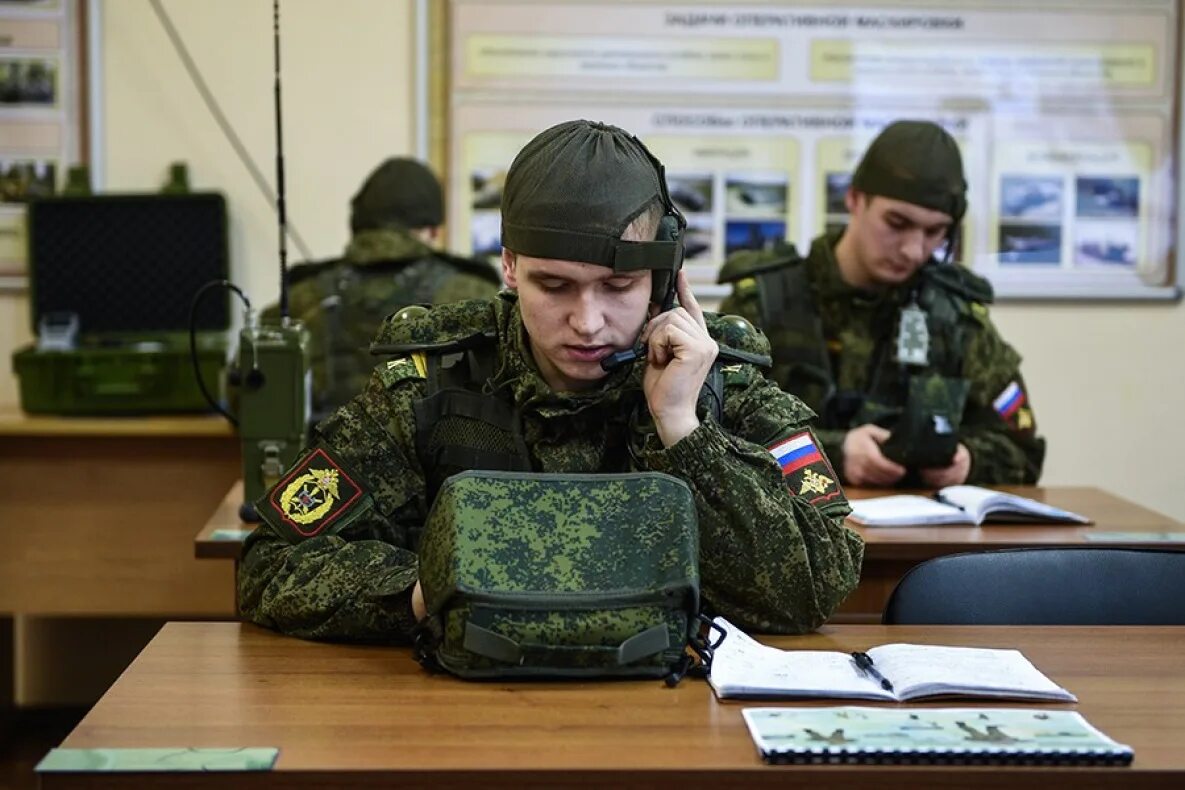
{"x": 930, "y": 736}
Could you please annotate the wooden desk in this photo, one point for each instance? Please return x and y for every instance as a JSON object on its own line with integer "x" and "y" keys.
{"x": 224, "y": 521}
{"x": 97, "y": 515}
{"x": 891, "y": 551}
{"x": 351, "y": 716}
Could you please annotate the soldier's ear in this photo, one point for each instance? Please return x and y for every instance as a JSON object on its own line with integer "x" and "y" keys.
{"x": 509, "y": 269}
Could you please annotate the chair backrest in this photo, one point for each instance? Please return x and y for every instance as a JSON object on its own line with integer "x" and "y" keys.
{"x": 1043, "y": 586}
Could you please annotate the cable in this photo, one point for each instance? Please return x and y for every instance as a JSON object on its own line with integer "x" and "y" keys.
{"x": 193, "y": 355}
{"x": 223, "y": 124}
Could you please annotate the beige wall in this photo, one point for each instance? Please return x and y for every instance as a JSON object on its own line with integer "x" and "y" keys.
{"x": 1107, "y": 380}
{"x": 347, "y": 104}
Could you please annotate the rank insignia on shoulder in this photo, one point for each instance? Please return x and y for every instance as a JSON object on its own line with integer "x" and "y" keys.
{"x": 315, "y": 494}
{"x": 396, "y": 370}
{"x": 806, "y": 470}
{"x": 1008, "y": 405}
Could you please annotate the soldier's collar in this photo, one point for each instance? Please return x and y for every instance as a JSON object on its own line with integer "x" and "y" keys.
{"x": 384, "y": 244}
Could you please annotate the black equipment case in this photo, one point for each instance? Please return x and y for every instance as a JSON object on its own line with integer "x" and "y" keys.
{"x": 112, "y": 278}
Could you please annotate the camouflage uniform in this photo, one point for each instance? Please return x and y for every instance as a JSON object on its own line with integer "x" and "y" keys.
{"x": 770, "y": 559}
{"x": 343, "y": 302}
{"x": 853, "y": 349}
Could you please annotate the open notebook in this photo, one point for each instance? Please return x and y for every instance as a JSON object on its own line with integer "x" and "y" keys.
{"x": 930, "y": 736}
{"x": 743, "y": 667}
{"x": 958, "y": 505}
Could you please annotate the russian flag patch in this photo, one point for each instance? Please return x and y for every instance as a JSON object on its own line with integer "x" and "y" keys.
{"x": 796, "y": 452}
{"x": 1009, "y": 401}
{"x": 805, "y": 468}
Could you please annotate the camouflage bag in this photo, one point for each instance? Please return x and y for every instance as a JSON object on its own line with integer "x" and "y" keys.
{"x": 560, "y": 575}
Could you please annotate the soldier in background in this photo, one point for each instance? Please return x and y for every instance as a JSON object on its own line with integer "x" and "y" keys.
{"x": 892, "y": 347}
{"x": 517, "y": 382}
{"x": 391, "y": 262}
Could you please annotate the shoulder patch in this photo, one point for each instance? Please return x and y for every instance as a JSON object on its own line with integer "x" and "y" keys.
{"x": 414, "y": 366}
{"x": 1013, "y": 408}
{"x": 314, "y": 495}
{"x": 807, "y": 471}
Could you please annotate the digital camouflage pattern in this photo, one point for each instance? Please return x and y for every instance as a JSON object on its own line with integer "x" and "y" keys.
{"x": 548, "y": 564}
{"x": 769, "y": 561}
{"x": 858, "y": 347}
{"x": 343, "y": 302}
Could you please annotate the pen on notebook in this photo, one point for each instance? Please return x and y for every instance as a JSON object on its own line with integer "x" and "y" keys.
{"x": 938, "y": 497}
{"x": 864, "y": 664}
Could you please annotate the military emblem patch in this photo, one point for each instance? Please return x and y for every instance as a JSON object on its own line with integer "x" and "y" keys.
{"x": 314, "y": 494}
{"x": 1009, "y": 402}
{"x": 806, "y": 469}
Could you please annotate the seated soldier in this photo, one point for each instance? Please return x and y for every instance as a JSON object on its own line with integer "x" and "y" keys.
{"x": 892, "y": 347}
{"x": 519, "y": 383}
{"x": 391, "y": 262}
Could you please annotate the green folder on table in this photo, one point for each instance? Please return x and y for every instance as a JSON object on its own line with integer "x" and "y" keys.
{"x": 169, "y": 759}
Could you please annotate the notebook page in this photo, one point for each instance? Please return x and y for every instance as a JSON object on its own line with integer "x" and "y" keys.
{"x": 741, "y": 666}
{"x": 932, "y": 669}
{"x": 904, "y": 510}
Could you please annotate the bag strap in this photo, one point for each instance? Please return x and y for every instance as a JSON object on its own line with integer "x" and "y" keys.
{"x": 487, "y": 643}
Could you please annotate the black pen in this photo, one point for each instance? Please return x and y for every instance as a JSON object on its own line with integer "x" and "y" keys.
{"x": 864, "y": 664}
{"x": 938, "y": 497}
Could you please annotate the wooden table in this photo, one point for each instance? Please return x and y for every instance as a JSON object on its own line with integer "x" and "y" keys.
{"x": 889, "y": 551}
{"x": 355, "y": 716}
{"x": 96, "y": 519}
{"x": 97, "y": 515}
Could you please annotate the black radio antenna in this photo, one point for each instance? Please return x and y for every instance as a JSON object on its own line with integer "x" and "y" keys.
{"x": 219, "y": 117}
{"x": 281, "y": 203}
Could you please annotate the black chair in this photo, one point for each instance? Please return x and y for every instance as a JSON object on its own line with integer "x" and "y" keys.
{"x": 1043, "y": 586}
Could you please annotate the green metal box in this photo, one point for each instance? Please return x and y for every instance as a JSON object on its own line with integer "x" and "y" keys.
{"x": 152, "y": 377}
{"x": 125, "y": 269}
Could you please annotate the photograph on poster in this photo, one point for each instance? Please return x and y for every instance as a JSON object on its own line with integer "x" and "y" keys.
{"x": 756, "y": 194}
{"x": 1107, "y": 196}
{"x": 1031, "y": 197}
{"x": 28, "y": 81}
{"x": 1105, "y": 243}
{"x": 836, "y": 186}
{"x": 691, "y": 193}
{"x": 752, "y": 234}
{"x": 24, "y": 179}
{"x": 485, "y": 228}
{"x": 487, "y": 186}
{"x": 1023, "y": 243}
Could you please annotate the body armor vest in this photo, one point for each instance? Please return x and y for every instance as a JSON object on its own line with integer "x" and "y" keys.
{"x": 461, "y": 424}
{"x": 803, "y": 362}
{"x": 355, "y": 300}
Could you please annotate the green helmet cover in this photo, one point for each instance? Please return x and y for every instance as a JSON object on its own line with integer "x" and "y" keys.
{"x": 917, "y": 162}
{"x": 399, "y": 194}
{"x": 574, "y": 189}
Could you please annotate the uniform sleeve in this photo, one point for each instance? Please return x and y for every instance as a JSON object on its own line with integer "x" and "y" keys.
{"x": 335, "y": 562}
{"x": 775, "y": 555}
{"x": 999, "y": 427}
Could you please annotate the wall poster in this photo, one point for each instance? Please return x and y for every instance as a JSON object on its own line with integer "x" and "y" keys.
{"x": 1064, "y": 111}
{"x": 40, "y": 114}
